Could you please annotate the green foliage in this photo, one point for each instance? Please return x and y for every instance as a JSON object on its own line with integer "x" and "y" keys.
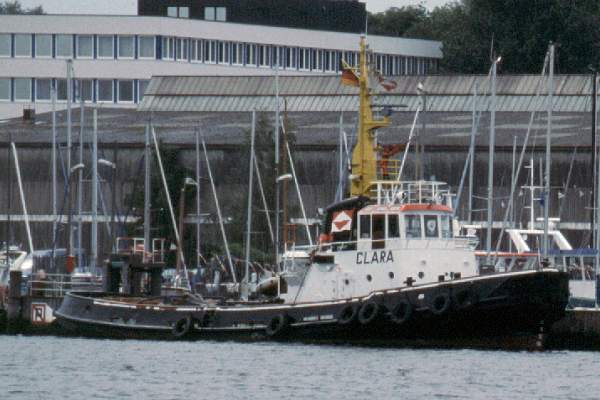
{"x": 162, "y": 226}
{"x": 520, "y": 31}
{"x": 14, "y": 7}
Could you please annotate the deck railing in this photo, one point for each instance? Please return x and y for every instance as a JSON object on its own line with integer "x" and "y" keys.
{"x": 57, "y": 285}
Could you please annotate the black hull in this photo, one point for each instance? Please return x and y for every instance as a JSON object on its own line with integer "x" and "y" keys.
{"x": 497, "y": 311}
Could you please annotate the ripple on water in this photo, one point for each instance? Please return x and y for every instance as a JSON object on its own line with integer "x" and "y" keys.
{"x": 59, "y": 368}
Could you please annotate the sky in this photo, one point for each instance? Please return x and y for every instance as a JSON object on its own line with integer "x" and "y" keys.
{"x": 130, "y": 6}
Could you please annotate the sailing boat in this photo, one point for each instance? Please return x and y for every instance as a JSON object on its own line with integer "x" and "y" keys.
{"x": 387, "y": 268}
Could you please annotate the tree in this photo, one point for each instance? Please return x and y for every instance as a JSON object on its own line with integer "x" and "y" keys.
{"x": 14, "y": 7}
{"x": 520, "y": 31}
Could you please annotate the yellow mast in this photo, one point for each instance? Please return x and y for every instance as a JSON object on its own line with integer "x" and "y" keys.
{"x": 364, "y": 155}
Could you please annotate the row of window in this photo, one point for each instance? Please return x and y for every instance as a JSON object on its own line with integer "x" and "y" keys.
{"x": 415, "y": 226}
{"x": 78, "y": 46}
{"x": 91, "y": 90}
{"x": 210, "y": 13}
{"x": 201, "y": 51}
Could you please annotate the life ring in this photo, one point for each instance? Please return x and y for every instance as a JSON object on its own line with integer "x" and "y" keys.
{"x": 276, "y": 325}
{"x": 440, "y": 303}
{"x": 401, "y": 312}
{"x": 182, "y": 327}
{"x": 347, "y": 315}
{"x": 368, "y": 312}
{"x": 464, "y": 299}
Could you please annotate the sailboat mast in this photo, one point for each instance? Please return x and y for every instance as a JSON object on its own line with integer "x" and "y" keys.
{"x": 198, "y": 252}
{"x": 147, "y": 194}
{"x": 245, "y": 280}
{"x": 490, "y": 189}
{"x": 94, "y": 234}
{"x": 548, "y": 151}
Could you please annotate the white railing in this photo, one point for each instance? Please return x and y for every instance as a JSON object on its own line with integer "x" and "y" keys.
{"x": 411, "y": 192}
{"x": 57, "y": 285}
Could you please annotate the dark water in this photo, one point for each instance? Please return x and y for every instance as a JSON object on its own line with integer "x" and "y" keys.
{"x": 81, "y": 369}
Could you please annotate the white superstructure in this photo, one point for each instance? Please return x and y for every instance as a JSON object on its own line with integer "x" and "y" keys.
{"x": 405, "y": 239}
{"x": 115, "y": 56}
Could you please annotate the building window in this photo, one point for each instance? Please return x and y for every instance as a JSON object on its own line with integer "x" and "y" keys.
{"x": 182, "y": 49}
{"x": 147, "y": 47}
{"x": 263, "y": 56}
{"x": 22, "y": 89}
{"x": 125, "y": 91}
{"x": 64, "y": 46}
{"x": 4, "y": 89}
{"x": 223, "y": 52}
{"x": 5, "y": 44}
{"x": 209, "y": 13}
{"x": 303, "y": 59}
{"x": 105, "y": 90}
{"x": 237, "y": 53}
{"x": 61, "y": 89}
{"x": 126, "y": 47}
{"x": 178, "y": 12}
{"x": 22, "y": 45}
{"x": 106, "y": 47}
{"x": 85, "y": 89}
{"x": 43, "y": 46}
{"x": 221, "y": 14}
{"x": 168, "y": 48}
{"x": 43, "y": 89}
{"x": 250, "y": 55}
{"x": 85, "y": 46}
{"x": 142, "y": 86}
{"x": 210, "y": 52}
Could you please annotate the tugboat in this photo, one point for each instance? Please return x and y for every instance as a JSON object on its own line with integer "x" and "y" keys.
{"x": 388, "y": 269}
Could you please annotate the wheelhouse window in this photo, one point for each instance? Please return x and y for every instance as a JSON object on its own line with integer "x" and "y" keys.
{"x": 378, "y": 225}
{"x": 4, "y": 89}
{"x": 22, "y": 45}
{"x": 43, "y": 46}
{"x": 184, "y": 12}
{"x": 393, "y": 226}
{"x": 64, "y": 46}
{"x": 412, "y": 225}
{"x": 431, "y": 226}
{"x": 5, "y": 45}
{"x": 365, "y": 226}
{"x": 106, "y": 47}
{"x": 446, "y": 226}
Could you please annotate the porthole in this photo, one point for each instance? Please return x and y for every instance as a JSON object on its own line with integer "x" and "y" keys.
{"x": 369, "y": 278}
{"x": 421, "y": 274}
{"x": 391, "y": 275}
{"x": 347, "y": 281}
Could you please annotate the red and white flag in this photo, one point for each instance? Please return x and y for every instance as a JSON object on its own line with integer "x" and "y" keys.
{"x": 342, "y": 221}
